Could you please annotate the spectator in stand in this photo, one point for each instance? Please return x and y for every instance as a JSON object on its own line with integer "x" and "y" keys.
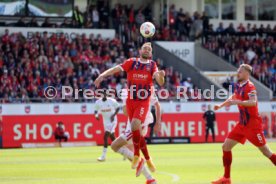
{"x": 46, "y": 23}
{"x": 230, "y": 28}
{"x": 140, "y": 18}
{"x": 196, "y": 28}
{"x": 78, "y": 17}
{"x": 21, "y": 22}
{"x": 66, "y": 23}
{"x": 33, "y": 23}
{"x": 220, "y": 28}
{"x": 205, "y": 20}
{"x": 241, "y": 28}
{"x": 95, "y": 17}
{"x": 60, "y": 133}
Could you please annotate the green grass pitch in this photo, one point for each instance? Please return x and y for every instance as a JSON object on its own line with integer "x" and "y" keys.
{"x": 179, "y": 164}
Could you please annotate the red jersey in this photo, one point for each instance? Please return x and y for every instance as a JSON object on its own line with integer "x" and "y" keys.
{"x": 139, "y": 76}
{"x": 243, "y": 92}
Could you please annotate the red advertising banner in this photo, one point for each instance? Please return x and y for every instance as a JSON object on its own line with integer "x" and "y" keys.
{"x": 39, "y": 128}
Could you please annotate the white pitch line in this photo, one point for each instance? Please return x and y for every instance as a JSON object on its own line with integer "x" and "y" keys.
{"x": 175, "y": 177}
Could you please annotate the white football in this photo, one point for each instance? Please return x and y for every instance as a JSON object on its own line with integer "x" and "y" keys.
{"x": 147, "y": 29}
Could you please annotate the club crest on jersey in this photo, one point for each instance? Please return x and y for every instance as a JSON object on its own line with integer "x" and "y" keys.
{"x": 83, "y": 108}
{"x": 56, "y": 108}
{"x": 27, "y": 109}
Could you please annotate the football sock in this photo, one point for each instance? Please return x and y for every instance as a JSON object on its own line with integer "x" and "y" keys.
{"x": 136, "y": 136}
{"x": 227, "y": 161}
{"x": 126, "y": 152}
{"x": 104, "y": 152}
{"x": 146, "y": 173}
{"x": 273, "y": 159}
{"x": 143, "y": 147}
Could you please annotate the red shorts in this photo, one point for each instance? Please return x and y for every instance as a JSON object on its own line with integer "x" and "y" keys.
{"x": 137, "y": 109}
{"x": 253, "y": 132}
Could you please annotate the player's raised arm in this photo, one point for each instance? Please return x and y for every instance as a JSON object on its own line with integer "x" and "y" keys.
{"x": 107, "y": 73}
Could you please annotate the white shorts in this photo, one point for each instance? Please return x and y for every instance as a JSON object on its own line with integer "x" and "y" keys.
{"x": 127, "y": 135}
{"x": 110, "y": 126}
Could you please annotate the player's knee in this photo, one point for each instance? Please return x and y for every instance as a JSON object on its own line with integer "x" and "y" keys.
{"x": 114, "y": 146}
{"x": 135, "y": 125}
{"x": 226, "y": 147}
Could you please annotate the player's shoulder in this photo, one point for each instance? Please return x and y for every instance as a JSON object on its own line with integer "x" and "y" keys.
{"x": 132, "y": 59}
{"x": 98, "y": 101}
{"x": 250, "y": 85}
{"x": 111, "y": 100}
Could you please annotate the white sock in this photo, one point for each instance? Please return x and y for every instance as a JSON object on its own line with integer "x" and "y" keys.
{"x": 146, "y": 173}
{"x": 104, "y": 152}
{"x": 129, "y": 154}
{"x": 126, "y": 152}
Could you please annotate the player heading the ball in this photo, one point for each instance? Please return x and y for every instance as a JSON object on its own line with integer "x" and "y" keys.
{"x": 140, "y": 74}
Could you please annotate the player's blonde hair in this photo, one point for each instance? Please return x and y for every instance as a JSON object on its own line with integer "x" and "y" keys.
{"x": 247, "y": 67}
{"x": 147, "y": 44}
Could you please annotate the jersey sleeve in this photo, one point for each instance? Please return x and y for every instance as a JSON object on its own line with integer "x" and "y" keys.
{"x": 115, "y": 104}
{"x": 125, "y": 66}
{"x": 97, "y": 107}
{"x": 154, "y": 69}
{"x": 251, "y": 90}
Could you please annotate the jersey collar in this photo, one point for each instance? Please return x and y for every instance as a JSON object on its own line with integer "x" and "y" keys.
{"x": 243, "y": 84}
{"x": 144, "y": 62}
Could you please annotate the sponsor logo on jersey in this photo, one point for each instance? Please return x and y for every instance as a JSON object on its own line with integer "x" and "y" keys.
{"x": 140, "y": 76}
{"x": 106, "y": 110}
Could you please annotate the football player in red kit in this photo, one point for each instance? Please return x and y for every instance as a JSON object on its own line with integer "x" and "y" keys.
{"x": 140, "y": 74}
{"x": 250, "y": 123}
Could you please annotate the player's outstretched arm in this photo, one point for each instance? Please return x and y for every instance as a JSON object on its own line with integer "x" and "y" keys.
{"x": 160, "y": 77}
{"x": 107, "y": 73}
{"x": 225, "y": 103}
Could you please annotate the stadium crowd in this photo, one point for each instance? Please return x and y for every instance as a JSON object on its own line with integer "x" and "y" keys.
{"x": 28, "y": 66}
{"x": 31, "y": 65}
{"x": 259, "y": 52}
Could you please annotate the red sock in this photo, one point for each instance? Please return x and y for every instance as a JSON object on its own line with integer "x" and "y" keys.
{"x": 136, "y": 136}
{"x": 144, "y": 148}
{"x": 227, "y": 161}
{"x": 273, "y": 159}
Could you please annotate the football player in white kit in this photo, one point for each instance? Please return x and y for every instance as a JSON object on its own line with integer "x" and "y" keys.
{"x": 108, "y": 108}
{"x": 122, "y": 143}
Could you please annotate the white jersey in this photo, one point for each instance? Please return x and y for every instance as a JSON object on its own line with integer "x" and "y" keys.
{"x": 107, "y": 109}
